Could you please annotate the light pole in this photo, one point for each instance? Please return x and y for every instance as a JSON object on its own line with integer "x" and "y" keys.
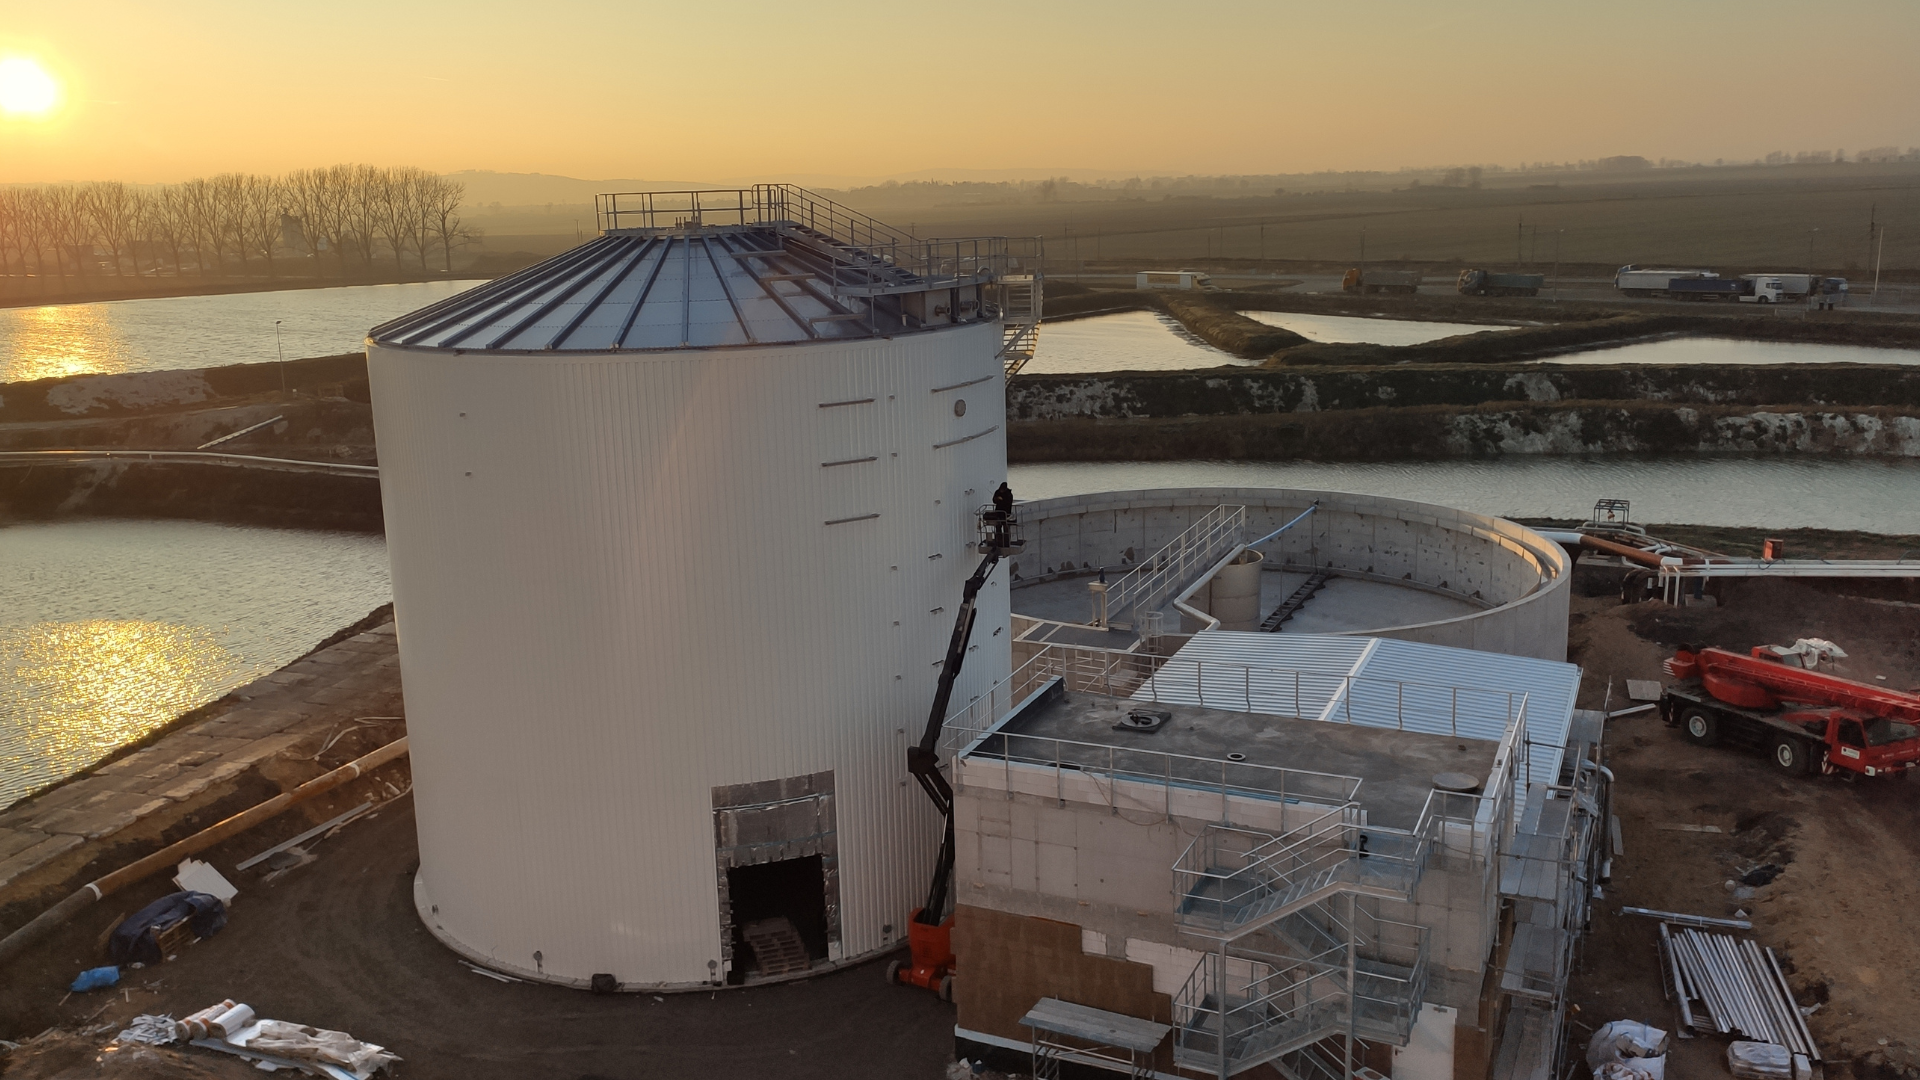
{"x": 282, "y": 353}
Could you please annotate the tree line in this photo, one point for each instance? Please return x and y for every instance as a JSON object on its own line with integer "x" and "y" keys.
{"x": 235, "y": 224}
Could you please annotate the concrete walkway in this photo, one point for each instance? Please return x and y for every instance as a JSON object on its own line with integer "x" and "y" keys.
{"x": 303, "y": 701}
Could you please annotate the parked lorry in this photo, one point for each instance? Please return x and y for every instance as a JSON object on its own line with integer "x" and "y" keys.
{"x": 1635, "y": 281}
{"x": 1379, "y": 281}
{"x": 1803, "y": 720}
{"x": 1490, "y": 283}
{"x": 1700, "y": 285}
{"x": 1831, "y": 293}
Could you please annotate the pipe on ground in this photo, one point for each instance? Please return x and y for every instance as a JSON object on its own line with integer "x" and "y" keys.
{"x": 94, "y": 891}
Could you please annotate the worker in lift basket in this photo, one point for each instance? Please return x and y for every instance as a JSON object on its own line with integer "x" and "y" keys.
{"x": 1003, "y": 499}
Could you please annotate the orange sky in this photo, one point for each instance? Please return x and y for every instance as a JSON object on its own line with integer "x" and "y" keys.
{"x": 853, "y": 88}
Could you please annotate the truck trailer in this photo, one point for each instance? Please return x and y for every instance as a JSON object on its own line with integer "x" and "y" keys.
{"x": 1490, "y": 283}
{"x": 1700, "y": 285}
{"x": 1380, "y": 281}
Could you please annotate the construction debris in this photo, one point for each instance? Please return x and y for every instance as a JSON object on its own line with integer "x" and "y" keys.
{"x": 1765, "y": 1061}
{"x": 1727, "y": 985}
{"x": 1627, "y": 1050}
{"x": 1679, "y": 919}
{"x": 152, "y": 1030}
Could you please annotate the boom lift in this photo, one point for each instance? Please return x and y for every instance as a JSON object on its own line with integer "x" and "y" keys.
{"x": 1803, "y": 720}
{"x": 930, "y": 929}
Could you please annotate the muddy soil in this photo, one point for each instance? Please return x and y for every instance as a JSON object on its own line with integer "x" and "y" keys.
{"x": 336, "y": 943}
{"x": 1840, "y": 912}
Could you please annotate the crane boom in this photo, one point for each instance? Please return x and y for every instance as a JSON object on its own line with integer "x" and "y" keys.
{"x": 923, "y": 760}
{"x": 1762, "y": 682}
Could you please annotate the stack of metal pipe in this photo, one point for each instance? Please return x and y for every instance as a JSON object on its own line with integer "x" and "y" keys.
{"x": 1726, "y": 985}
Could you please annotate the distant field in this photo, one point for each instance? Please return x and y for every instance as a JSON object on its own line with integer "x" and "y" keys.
{"x": 1777, "y": 218}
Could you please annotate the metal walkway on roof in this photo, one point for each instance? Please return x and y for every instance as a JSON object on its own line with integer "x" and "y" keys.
{"x": 770, "y": 265}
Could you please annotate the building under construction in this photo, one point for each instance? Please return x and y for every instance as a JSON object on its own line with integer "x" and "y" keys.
{"x": 1312, "y": 854}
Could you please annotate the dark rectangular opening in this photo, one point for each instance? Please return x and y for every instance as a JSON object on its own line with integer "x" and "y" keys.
{"x": 760, "y": 896}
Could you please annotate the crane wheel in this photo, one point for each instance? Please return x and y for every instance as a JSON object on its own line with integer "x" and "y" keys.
{"x": 1701, "y": 727}
{"x": 946, "y": 988}
{"x": 1790, "y": 756}
{"x": 893, "y": 973}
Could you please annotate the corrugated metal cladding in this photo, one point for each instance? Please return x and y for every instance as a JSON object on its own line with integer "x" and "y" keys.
{"x": 625, "y": 580}
{"x": 697, "y": 289}
{"x": 1377, "y": 682}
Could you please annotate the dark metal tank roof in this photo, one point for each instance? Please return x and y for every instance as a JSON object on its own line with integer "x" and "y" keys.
{"x": 762, "y": 266}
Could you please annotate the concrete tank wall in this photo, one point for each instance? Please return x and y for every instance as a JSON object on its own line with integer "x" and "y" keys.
{"x": 1523, "y": 578}
{"x": 649, "y": 603}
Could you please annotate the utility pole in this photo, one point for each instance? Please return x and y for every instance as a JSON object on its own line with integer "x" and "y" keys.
{"x": 282, "y": 352}
{"x": 1873, "y": 216}
{"x": 1557, "y": 234}
{"x": 1881, "y": 254}
{"x": 1520, "y": 241}
{"x": 1811, "y": 233}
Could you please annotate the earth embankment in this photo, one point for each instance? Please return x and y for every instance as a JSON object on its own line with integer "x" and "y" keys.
{"x": 1433, "y": 432}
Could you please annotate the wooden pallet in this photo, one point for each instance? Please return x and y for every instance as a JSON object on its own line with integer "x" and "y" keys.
{"x": 777, "y": 948}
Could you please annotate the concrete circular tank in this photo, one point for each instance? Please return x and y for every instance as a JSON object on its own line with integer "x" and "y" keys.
{"x": 678, "y": 528}
{"x": 1400, "y": 569}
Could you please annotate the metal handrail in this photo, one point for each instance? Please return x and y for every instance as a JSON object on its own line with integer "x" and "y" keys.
{"x": 191, "y": 457}
{"x": 1107, "y": 672}
{"x": 865, "y": 245}
{"x": 1167, "y": 770}
{"x": 1197, "y": 547}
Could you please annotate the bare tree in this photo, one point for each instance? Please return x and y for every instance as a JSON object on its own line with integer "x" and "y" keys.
{"x": 203, "y": 216}
{"x": 392, "y": 187}
{"x": 363, "y": 209}
{"x": 229, "y": 209}
{"x": 443, "y": 207}
{"x": 65, "y": 214}
{"x": 306, "y": 197}
{"x": 10, "y": 234}
{"x": 261, "y": 202}
{"x": 172, "y": 223}
{"x": 109, "y": 208}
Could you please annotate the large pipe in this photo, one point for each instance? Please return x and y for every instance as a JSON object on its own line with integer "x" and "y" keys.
{"x": 1634, "y": 554}
{"x": 92, "y": 892}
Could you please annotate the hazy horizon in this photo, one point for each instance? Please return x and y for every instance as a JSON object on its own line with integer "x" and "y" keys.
{"x": 1242, "y": 88}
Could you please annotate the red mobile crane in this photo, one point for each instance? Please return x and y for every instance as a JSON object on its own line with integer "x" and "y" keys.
{"x": 1803, "y": 720}
{"x": 930, "y": 929}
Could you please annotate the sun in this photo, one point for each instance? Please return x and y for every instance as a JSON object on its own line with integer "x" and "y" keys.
{"x": 25, "y": 88}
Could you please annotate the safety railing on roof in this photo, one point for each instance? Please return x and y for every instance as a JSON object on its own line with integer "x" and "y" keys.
{"x": 1363, "y": 701}
{"x": 1173, "y": 567}
{"x": 1064, "y": 763}
{"x": 865, "y": 255}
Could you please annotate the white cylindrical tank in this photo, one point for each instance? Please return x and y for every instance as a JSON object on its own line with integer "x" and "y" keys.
{"x": 668, "y": 622}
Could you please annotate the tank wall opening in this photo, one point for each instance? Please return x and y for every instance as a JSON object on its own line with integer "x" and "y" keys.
{"x": 774, "y": 904}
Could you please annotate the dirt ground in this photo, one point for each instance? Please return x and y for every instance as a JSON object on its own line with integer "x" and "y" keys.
{"x": 335, "y": 943}
{"x": 1839, "y": 915}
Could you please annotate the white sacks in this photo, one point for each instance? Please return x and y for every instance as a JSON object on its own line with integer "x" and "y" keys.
{"x": 1628, "y": 1050}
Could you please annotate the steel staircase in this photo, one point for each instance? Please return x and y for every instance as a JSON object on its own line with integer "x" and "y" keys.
{"x": 1289, "y": 969}
{"x": 1020, "y": 303}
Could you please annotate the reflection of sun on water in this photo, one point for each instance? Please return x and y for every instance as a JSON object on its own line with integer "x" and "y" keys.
{"x": 73, "y": 692}
{"x": 60, "y": 340}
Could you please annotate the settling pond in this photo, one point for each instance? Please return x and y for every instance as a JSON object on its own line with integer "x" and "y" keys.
{"x": 1699, "y": 350}
{"x": 1881, "y": 496}
{"x": 110, "y": 629}
{"x": 168, "y": 333}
